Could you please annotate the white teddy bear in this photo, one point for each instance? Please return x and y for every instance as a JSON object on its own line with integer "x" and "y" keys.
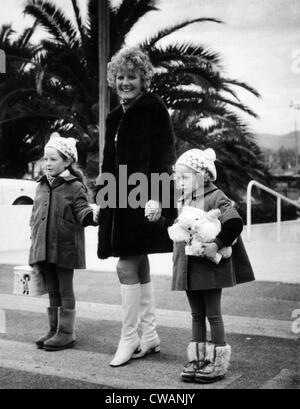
{"x": 194, "y": 227}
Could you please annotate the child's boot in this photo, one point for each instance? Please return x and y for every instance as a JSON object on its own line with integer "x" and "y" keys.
{"x": 150, "y": 341}
{"x": 196, "y": 354}
{"x": 130, "y": 341}
{"x": 216, "y": 364}
{"x": 53, "y": 319}
{"x": 65, "y": 334}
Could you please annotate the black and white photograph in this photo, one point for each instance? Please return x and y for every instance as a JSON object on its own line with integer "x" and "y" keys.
{"x": 149, "y": 198}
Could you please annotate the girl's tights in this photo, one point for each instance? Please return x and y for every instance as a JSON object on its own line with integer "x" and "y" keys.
{"x": 60, "y": 285}
{"x": 207, "y": 303}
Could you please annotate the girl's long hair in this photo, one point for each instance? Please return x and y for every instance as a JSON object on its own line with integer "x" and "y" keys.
{"x": 77, "y": 171}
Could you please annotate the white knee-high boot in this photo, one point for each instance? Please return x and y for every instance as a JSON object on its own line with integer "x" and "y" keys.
{"x": 150, "y": 341}
{"x": 129, "y": 341}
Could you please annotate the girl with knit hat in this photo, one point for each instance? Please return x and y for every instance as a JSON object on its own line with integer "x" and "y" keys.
{"x": 60, "y": 213}
{"x": 202, "y": 279}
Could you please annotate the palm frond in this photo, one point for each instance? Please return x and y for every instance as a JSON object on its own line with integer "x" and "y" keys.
{"x": 91, "y": 48}
{"x": 79, "y": 23}
{"x": 238, "y": 105}
{"x": 228, "y": 90}
{"x": 92, "y": 21}
{"x": 6, "y": 34}
{"x": 18, "y": 91}
{"x": 52, "y": 19}
{"x": 130, "y": 11}
{"x": 186, "y": 54}
{"x": 243, "y": 85}
{"x": 126, "y": 16}
{"x": 25, "y": 37}
{"x": 167, "y": 31}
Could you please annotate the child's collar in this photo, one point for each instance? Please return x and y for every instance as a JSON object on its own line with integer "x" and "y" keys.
{"x": 207, "y": 189}
{"x": 198, "y": 192}
{"x": 65, "y": 175}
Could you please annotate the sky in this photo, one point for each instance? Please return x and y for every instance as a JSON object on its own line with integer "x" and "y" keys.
{"x": 259, "y": 43}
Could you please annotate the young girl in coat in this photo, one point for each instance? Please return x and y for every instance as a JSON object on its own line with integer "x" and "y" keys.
{"x": 202, "y": 279}
{"x": 60, "y": 213}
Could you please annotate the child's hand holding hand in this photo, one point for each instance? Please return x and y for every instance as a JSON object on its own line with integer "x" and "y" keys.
{"x": 210, "y": 250}
{"x": 152, "y": 210}
{"x": 96, "y": 211}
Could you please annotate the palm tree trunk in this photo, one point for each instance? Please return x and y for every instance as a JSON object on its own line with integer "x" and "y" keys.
{"x": 103, "y": 60}
{"x": 2, "y": 62}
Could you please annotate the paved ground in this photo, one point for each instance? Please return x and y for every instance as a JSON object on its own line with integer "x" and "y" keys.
{"x": 258, "y": 318}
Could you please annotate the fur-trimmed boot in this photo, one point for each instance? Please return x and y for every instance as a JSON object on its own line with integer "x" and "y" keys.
{"x": 65, "y": 334}
{"x": 150, "y": 341}
{"x": 216, "y": 363}
{"x": 196, "y": 354}
{"x": 129, "y": 341}
{"x": 53, "y": 319}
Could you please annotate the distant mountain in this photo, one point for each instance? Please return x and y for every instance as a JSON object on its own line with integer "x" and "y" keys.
{"x": 274, "y": 142}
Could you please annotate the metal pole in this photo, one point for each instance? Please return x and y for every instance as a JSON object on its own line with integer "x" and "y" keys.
{"x": 296, "y": 141}
{"x": 278, "y": 218}
{"x": 249, "y": 188}
{"x": 2, "y": 62}
{"x": 295, "y": 107}
{"x": 103, "y": 17}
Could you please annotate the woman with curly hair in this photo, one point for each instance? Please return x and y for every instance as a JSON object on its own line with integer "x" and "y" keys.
{"x": 139, "y": 135}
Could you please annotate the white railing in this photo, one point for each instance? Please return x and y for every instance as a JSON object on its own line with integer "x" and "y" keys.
{"x": 272, "y": 192}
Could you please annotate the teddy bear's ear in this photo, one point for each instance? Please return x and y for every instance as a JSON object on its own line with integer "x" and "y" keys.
{"x": 214, "y": 214}
{"x": 210, "y": 154}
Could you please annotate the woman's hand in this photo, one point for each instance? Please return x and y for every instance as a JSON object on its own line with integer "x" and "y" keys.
{"x": 152, "y": 210}
{"x": 210, "y": 250}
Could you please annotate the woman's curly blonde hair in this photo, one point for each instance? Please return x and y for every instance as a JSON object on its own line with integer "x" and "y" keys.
{"x": 133, "y": 59}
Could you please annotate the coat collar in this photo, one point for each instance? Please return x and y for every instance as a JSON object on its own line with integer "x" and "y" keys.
{"x": 207, "y": 189}
{"x": 196, "y": 198}
{"x": 62, "y": 178}
{"x": 143, "y": 100}
{"x": 126, "y": 104}
{"x": 198, "y": 193}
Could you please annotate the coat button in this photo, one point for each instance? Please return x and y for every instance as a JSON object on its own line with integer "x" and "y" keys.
{"x": 43, "y": 218}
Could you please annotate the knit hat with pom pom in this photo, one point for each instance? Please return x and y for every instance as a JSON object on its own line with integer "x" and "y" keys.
{"x": 67, "y": 146}
{"x": 199, "y": 160}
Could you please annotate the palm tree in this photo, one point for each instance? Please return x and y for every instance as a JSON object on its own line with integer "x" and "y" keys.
{"x": 17, "y": 90}
{"x": 41, "y": 88}
{"x": 66, "y": 65}
{"x": 71, "y": 54}
{"x": 188, "y": 77}
{"x": 68, "y": 60}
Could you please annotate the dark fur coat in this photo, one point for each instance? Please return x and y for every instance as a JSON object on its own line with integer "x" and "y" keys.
{"x": 145, "y": 143}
